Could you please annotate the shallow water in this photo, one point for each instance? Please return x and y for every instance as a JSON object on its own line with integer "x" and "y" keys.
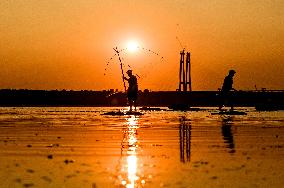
{"x": 79, "y": 147}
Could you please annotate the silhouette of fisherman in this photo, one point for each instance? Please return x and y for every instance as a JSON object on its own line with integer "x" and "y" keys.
{"x": 226, "y": 88}
{"x": 132, "y": 91}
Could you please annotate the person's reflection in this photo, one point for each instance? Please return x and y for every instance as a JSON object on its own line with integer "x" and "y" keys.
{"x": 184, "y": 140}
{"x": 227, "y": 134}
{"x": 128, "y": 173}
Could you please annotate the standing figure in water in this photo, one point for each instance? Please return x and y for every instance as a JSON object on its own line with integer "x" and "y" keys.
{"x": 226, "y": 88}
{"x": 132, "y": 91}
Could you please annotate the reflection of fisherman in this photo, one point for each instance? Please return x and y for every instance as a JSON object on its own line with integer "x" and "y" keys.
{"x": 132, "y": 91}
{"x": 226, "y": 88}
{"x": 228, "y": 134}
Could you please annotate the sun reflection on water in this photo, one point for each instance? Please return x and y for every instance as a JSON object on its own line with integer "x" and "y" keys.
{"x": 129, "y": 172}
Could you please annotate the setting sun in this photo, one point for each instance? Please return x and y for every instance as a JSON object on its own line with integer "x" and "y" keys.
{"x": 132, "y": 46}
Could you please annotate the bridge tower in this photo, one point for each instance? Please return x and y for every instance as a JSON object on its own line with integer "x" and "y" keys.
{"x": 184, "y": 72}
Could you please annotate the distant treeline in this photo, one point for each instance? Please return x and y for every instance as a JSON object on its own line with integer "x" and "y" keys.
{"x": 24, "y": 97}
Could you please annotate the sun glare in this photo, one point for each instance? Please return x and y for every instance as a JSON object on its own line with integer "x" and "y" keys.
{"x": 132, "y": 46}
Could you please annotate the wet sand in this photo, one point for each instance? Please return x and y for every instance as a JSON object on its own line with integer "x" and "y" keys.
{"x": 79, "y": 147}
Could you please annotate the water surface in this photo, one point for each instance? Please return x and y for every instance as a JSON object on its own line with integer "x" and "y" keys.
{"x": 79, "y": 147}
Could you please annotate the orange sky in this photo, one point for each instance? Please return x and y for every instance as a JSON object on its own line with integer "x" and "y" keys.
{"x": 66, "y": 44}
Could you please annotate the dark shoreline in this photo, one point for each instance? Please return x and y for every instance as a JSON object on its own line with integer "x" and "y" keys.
{"x": 32, "y": 98}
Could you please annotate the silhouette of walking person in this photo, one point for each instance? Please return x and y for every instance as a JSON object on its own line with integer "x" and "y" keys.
{"x": 132, "y": 91}
{"x": 225, "y": 91}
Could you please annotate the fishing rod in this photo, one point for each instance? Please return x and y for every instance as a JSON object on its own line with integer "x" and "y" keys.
{"x": 110, "y": 59}
{"x": 143, "y": 74}
{"x": 121, "y": 67}
{"x": 122, "y": 50}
